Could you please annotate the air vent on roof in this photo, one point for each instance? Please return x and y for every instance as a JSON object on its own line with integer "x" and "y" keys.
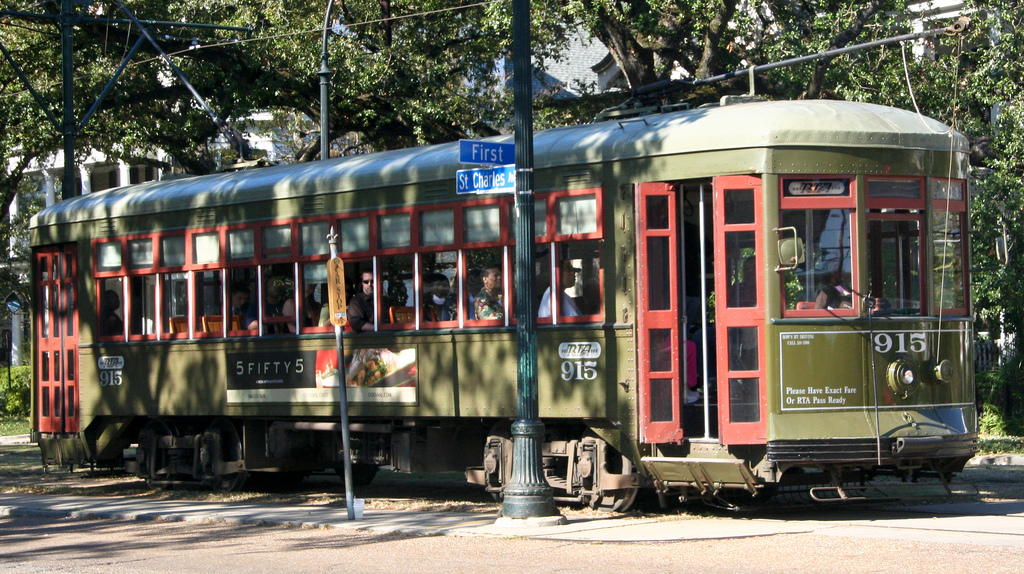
{"x": 106, "y": 228}
{"x": 313, "y": 204}
{"x": 576, "y": 177}
{"x": 436, "y": 191}
{"x": 203, "y": 218}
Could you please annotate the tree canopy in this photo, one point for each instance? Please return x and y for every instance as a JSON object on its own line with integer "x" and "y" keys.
{"x": 413, "y": 73}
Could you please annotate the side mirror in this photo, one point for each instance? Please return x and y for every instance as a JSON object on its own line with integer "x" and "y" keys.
{"x": 791, "y": 250}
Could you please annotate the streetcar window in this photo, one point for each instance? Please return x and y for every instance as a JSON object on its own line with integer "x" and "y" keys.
{"x": 659, "y": 269}
{"x": 172, "y": 251}
{"x": 394, "y": 231}
{"x": 397, "y": 290}
{"x": 440, "y": 300}
{"x": 743, "y": 348}
{"x": 894, "y": 262}
{"x": 437, "y": 227}
{"x": 142, "y": 318}
{"x": 744, "y": 403}
{"x": 946, "y": 190}
{"x": 739, "y": 206}
{"x": 485, "y": 284}
{"x": 108, "y": 256}
{"x": 174, "y": 291}
{"x": 741, "y": 263}
{"x": 894, "y": 188}
{"x": 661, "y": 400}
{"x": 576, "y": 214}
{"x": 314, "y": 305}
{"x": 111, "y": 309}
{"x": 241, "y": 245}
{"x": 207, "y": 301}
{"x": 140, "y": 253}
{"x": 278, "y": 299}
{"x": 657, "y": 212}
{"x": 824, "y": 281}
{"x": 313, "y": 238}
{"x": 948, "y": 253}
{"x": 205, "y": 248}
{"x": 69, "y": 305}
{"x": 277, "y": 241}
{"x": 44, "y": 302}
{"x": 243, "y": 298}
{"x": 354, "y": 234}
{"x": 482, "y": 224}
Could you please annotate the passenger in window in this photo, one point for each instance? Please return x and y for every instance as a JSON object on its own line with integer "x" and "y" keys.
{"x": 280, "y": 303}
{"x": 239, "y": 299}
{"x": 438, "y": 305}
{"x": 832, "y": 294}
{"x": 566, "y": 306}
{"x": 360, "y": 307}
{"x": 112, "y": 322}
{"x": 488, "y": 304}
{"x": 473, "y": 286}
{"x": 311, "y": 306}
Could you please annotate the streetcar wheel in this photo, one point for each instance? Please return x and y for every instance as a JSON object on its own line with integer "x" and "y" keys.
{"x": 615, "y": 500}
{"x": 149, "y": 455}
{"x": 222, "y": 444}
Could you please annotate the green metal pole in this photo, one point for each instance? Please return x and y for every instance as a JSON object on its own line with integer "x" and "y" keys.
{"x": 69, "y": 127}
{"x": 527, "y": 495}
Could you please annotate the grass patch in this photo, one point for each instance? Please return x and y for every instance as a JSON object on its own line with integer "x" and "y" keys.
{"x": 13, "y": 426}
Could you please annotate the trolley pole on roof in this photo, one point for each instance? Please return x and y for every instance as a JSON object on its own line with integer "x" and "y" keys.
{"x": 527, "y": 495}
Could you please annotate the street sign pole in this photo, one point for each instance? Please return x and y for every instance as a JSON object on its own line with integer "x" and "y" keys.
{"x": 336, "y": 300}
{"x": 527, "y": 495}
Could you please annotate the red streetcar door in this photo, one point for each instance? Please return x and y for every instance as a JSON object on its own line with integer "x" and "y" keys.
{"x": 660, "y": 364}
{"x": 56, "y": 353}
{"x": 739, "y": 310}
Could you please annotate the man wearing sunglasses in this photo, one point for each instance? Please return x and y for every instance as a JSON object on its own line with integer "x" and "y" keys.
{"x": 360, "y": 308}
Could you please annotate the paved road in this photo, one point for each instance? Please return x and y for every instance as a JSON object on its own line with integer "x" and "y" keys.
{"x": 786, "y": 546}
{"x": 989, "y": 524}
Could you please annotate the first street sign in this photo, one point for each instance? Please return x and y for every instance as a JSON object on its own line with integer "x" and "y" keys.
{"x": 501, "y": 179}
{"x": 472, "y": 151}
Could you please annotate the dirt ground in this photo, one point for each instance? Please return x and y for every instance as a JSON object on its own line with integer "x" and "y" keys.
{"x": 22, "y": 472}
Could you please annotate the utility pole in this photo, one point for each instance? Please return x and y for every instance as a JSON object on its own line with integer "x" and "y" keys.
{"x": 69, "y": 17}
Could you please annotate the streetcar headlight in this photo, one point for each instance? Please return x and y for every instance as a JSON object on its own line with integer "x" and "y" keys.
{"x": 902, "y": 376}
{"x": 944, "y": 371}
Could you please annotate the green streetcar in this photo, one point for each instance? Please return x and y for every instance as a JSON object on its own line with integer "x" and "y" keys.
{"x": 730, "y": 299}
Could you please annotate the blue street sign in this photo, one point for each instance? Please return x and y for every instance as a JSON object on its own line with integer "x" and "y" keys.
{"x": 474, "y": 151}
{"x": 501, "y": 179}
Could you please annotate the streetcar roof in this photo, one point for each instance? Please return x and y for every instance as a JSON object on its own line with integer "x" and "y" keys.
{"x": 767, "y": 124}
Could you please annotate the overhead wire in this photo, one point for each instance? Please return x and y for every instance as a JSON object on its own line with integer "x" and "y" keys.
{"x": 318, "y": 31}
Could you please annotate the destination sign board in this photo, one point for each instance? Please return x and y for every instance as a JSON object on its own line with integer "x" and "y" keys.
{"x": 472, "y": 151}
{"x": 501, "y": 179}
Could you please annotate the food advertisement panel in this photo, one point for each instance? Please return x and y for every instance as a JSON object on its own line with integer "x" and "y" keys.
{"x": 379, "y": 375}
